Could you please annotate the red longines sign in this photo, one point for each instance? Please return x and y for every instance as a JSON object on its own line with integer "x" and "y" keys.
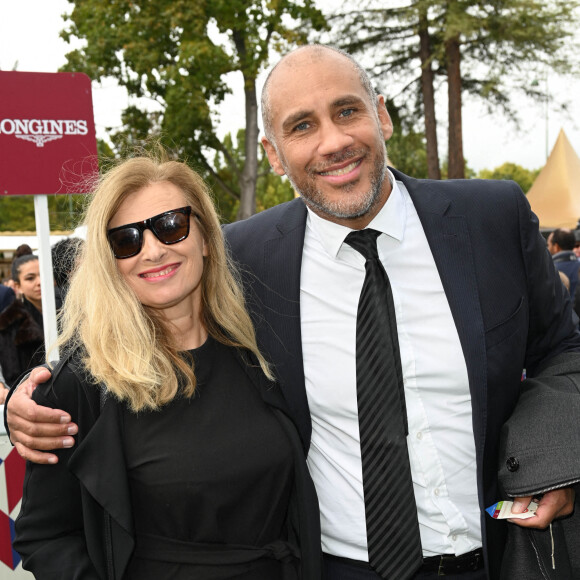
{"x": 47, "y": 133}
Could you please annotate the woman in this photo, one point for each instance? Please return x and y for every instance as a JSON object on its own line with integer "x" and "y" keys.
{"x": 186, "y": 464}
{"x": 21, "y": 331}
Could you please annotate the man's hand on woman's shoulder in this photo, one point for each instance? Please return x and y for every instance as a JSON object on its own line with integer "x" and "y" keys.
{"x": 35, "y": 429}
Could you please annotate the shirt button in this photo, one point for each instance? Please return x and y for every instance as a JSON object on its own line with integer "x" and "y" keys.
{"x": 454, "y": 537}
{"x": 436, "y": 492}
{"x": 419, "y": 435}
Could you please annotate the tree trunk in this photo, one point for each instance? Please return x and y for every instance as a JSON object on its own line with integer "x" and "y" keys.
{"x": 249, "y": 175}
{"x": 456, "y": 168}
{"x": 433, "y": 169}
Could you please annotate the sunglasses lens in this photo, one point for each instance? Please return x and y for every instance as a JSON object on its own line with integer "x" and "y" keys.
{"x": 126, "y": 242}
{"x": 171, "y": 227}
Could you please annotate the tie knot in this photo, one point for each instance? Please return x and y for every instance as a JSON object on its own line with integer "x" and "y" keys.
{"x": 364, "y": 242}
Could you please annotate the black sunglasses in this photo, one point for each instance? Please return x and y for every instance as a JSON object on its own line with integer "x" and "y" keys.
{"x": 169, "y": 227}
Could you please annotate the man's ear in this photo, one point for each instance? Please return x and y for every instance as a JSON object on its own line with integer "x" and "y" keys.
{"x": 384, "y": 118}
{"x": 273, "y": 156}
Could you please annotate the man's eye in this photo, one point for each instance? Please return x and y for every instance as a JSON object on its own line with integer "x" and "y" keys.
{"x": 347, "y": 112}
{"x": 302, "y": 126}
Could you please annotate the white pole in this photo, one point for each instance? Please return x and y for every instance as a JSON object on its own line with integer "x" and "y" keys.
{"x": 46, "y": 275}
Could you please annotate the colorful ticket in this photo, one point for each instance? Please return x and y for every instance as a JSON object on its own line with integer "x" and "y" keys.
{"x": 503, "y": 510}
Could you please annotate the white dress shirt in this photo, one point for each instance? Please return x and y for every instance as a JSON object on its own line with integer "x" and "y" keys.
{"x": 441, "y": 443}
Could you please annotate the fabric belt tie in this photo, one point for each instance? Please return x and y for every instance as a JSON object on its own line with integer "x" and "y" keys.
{"x": 150, "y": 547}
{"x": 393, "y": 539}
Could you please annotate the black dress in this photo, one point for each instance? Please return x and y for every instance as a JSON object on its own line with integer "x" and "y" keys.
{"x": 210, "y": 480}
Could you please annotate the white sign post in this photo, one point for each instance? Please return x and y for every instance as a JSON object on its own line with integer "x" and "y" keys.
{"x": 46, "y": 276}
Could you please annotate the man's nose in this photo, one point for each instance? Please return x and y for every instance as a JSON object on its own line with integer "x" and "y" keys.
{"x": 333, "y": 138}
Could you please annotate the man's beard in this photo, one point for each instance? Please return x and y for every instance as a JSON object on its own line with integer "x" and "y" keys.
{"x": 347, "y": 207}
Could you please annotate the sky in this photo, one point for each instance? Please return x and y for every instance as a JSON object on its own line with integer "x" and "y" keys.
{"x": 29, "y": 40}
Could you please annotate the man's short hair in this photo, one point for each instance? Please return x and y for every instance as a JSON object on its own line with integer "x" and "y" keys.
{"x": 564, "y": 238}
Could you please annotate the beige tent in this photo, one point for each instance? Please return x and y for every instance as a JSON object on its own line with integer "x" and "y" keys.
{"x": 555, "y": 195}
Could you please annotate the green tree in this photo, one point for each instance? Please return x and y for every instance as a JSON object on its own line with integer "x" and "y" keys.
{"x": 17, "y": 212}
{"x": 271, "y": 189}
{"x": 523, "y": 177}
{"x": 406, "y": 148}
{"x": 178, "y": 53}
{"x": 489, "y": 49}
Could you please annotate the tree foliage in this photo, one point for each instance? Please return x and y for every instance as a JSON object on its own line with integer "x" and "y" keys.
{"x": 489, "y": 49}
{"x": 177, "y": 54}
{"x": 523, "y": 177}
{"x": 406, "y": 148}
{"x": 271, "y": 189}
{"x": 17, "y": 212}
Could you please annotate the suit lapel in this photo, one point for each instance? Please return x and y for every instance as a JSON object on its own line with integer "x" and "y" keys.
{"x": 452, "y": 249}
{"x": 282, "y": 260}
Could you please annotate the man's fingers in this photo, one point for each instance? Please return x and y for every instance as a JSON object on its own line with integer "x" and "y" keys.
{"x": 44, "y": 436}
{"x": 37, "y": 375}
{"x": 23, "y": 411}
{"x": 36, "y": 456}
{"x": 521, "y": 504}
{"x": 34, "y": 428}
{"x": 554, "y": 504}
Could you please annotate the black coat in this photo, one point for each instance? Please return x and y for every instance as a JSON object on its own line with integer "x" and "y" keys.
{"x": 6, "y": 297}
{"x": 21, "y": 340}
{"x": 76, "y": 522}
{"x": 538, "y": 454}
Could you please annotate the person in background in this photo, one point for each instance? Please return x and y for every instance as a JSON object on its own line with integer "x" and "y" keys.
{"x": 577, "y": 243}
{"x": 192, "y": 467}
{"x": 64, "y": 260}
{"x": 21, "y": 325}
{"x": 22, "y": 250}
{"x": 565, "y": 280}
{"x": 7, "y": 296}
{"x": 561, "y": 247}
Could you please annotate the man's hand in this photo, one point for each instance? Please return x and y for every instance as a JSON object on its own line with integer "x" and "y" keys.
{"x": 33, "y": 427}
{"x": 554, "y": 504}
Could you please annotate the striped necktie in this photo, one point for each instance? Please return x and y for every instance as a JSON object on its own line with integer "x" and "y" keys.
{"x": 394, "y": 543}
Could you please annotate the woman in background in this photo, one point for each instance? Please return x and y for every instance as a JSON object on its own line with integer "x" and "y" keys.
{"x": 186, "y": 464}
{"x": 21, "y": 328}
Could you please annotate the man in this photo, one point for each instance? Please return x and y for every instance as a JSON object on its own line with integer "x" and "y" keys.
{"x": 466, "y": 327}
{"x": 577, "y": 243}
{"x": 561, "y": 245}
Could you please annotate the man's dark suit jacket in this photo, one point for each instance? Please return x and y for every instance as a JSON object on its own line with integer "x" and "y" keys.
{"x": 509, "y": 306}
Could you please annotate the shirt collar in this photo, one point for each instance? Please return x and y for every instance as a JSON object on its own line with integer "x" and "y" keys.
{"x": 390, "y": 221}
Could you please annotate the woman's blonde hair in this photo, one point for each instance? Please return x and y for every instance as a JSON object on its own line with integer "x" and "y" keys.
{"x": 127, "y": 346}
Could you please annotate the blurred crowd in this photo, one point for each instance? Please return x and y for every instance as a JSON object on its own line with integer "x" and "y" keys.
{"x": 21, "y": 322}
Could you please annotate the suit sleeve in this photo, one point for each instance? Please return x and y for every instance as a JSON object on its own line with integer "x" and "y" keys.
{"x": 553, "y": 325}
{"x": 50, "y": 534}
